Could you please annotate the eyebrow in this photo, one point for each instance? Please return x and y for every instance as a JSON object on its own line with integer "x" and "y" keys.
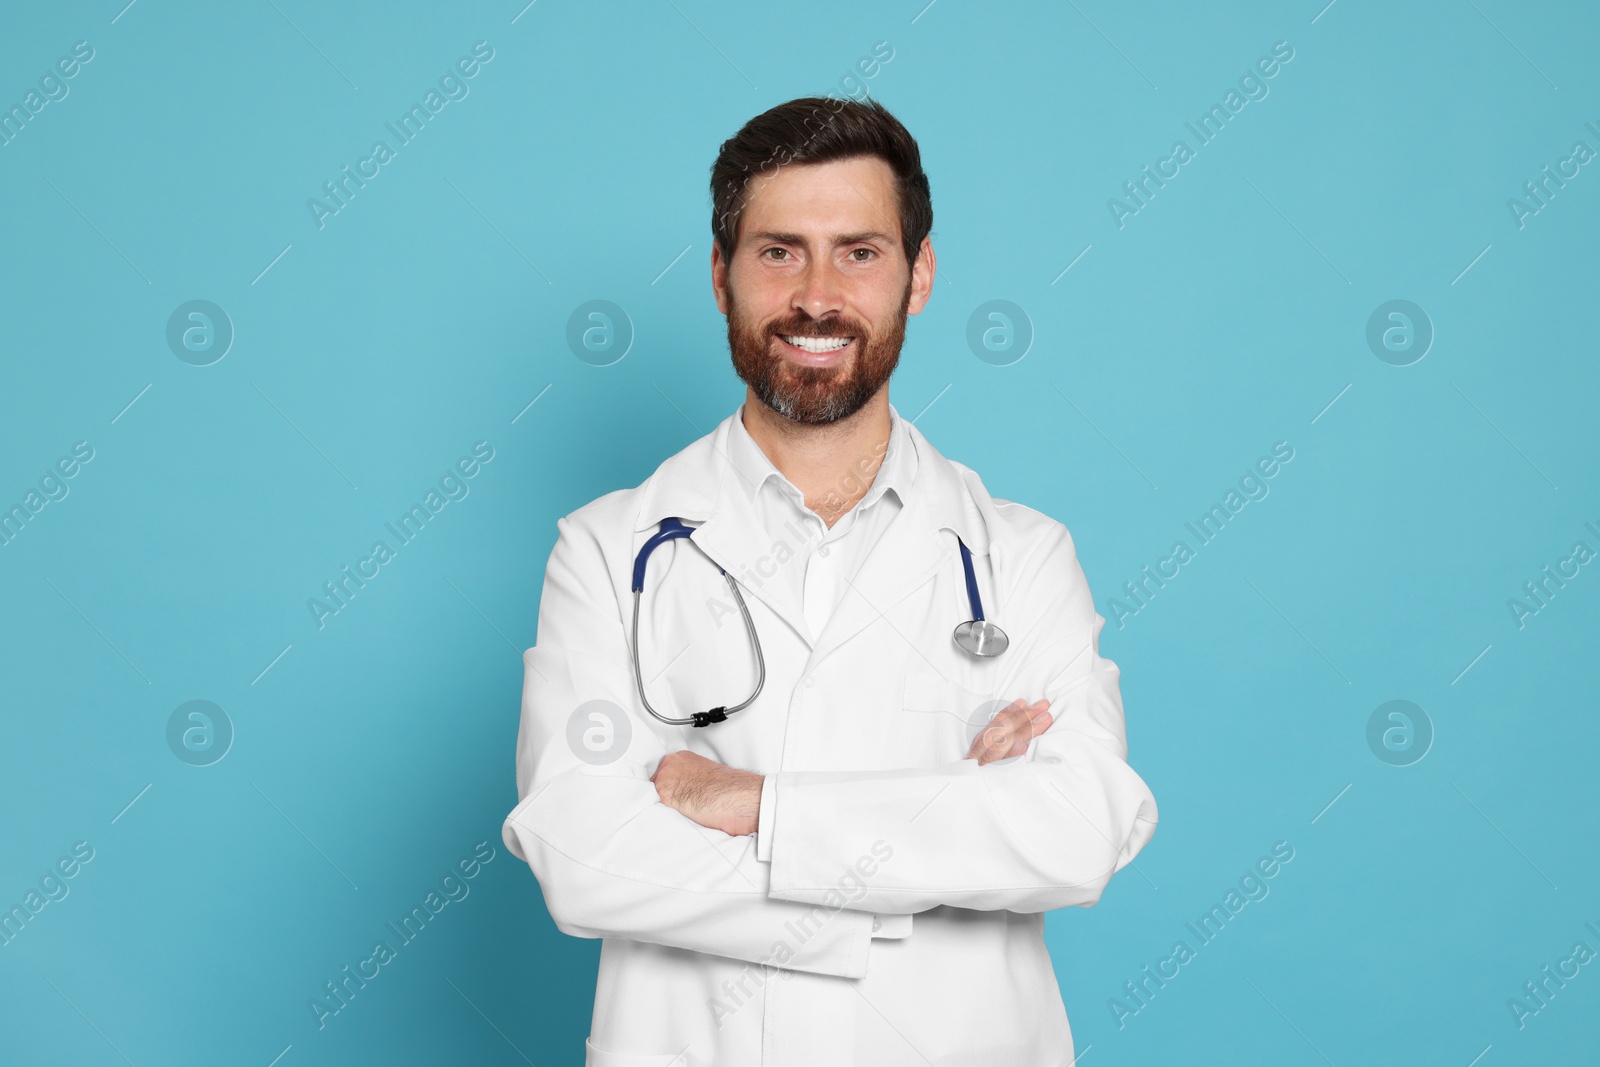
{"x": 866, "y": 236}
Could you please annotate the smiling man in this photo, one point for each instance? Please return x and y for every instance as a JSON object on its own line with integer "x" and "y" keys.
{"x": 816, "y": 730}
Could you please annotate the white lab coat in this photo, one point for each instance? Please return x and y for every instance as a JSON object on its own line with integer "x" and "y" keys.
{"x": 713, "y": 956}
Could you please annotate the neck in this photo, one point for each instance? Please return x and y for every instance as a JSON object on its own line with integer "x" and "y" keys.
{"x": 832, "y": 465}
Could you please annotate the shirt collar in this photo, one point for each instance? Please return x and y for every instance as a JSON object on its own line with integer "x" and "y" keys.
{"x": 697, "y": 484}
{"x": 752, "y": 469}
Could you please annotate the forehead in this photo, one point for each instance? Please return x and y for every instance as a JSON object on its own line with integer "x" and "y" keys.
{"x": 820, "y": 200}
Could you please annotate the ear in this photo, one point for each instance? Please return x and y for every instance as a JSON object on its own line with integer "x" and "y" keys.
{"x": 922, "y": 272}
{"x": 719, "y": 277}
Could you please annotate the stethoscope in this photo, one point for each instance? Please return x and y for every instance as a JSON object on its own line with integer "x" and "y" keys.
{"x": 977, "y": 636}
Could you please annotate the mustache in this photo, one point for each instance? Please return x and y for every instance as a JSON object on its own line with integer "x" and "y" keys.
{"x": 833, "y": 326}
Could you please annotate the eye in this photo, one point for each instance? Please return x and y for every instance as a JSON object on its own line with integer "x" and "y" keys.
{"x": 777, "y": 254}
{"x": 861, "y": 255}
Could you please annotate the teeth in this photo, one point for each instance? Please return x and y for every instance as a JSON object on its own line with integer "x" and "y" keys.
{"x": 818, "y": 344}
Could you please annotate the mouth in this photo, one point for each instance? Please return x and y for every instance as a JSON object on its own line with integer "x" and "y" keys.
{"x": 816, "y": 351}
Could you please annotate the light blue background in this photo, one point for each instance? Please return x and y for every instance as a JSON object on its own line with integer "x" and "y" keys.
{"x": 1227, "y": 315}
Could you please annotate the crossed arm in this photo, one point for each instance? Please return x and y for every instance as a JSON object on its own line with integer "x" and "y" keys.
{"x": 620, "y": 847}
{"x": 725, "y": 798}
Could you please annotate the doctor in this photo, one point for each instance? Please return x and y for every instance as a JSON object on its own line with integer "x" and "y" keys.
{"x": 853, "y": 867}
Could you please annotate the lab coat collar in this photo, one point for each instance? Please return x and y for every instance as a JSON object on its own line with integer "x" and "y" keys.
{"x": 752, "y": 469}
{"x": 700, "y": 485}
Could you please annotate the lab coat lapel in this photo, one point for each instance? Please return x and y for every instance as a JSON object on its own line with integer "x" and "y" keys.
{"x": 700, "y": 485}
{"x": 734, "y": 537}
{"x": 910, "y": 550}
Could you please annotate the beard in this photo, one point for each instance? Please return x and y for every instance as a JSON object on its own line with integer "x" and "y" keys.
{"x": 815, "y": 396}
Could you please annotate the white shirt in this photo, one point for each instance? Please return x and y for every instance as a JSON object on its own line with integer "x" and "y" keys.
{"x": 824, "y": 559}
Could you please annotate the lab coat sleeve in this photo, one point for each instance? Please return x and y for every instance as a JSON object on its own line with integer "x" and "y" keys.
{"x": 1041, "y": 831}
{"x": 764, "y": 821}
{"x": 611, "y": 859}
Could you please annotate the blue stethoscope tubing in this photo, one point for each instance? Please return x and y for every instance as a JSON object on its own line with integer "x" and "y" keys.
{"x": 671, "y": 529}
{"x": 977, "y": 636}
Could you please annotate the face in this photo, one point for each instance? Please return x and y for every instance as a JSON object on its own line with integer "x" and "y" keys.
{"x": 818, "y": 288}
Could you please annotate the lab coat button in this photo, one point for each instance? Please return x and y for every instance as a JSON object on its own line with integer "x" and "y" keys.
{"x": 877, "y": 924}
{"x": 823, "y": 551}
{"x": 810, "y": 681}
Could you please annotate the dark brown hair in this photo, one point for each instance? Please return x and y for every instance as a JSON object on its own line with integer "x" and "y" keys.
{"x": 818, "y": 129}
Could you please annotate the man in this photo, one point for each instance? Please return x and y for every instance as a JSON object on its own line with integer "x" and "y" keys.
{"x": 853, "y": 868}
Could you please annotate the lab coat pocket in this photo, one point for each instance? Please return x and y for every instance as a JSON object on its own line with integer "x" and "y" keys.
{"x": 939, "y": 719}
{"x": 594, "y": 1056}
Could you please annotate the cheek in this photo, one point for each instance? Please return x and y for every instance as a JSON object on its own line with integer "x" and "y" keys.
{"x": 880, "y": 308}
{"x": 756, "y": 296}
{"x": 882, "y": 293}
{"x": 749, "y": 325}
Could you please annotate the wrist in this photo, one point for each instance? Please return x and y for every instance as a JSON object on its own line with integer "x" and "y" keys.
{"x": 750, "y": 808}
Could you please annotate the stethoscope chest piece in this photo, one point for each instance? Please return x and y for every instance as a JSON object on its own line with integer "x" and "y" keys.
{"x": 977, "y": 636}
{"x": 980, "y": 637}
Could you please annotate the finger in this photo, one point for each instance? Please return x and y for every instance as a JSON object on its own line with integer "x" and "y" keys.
{"x": 1023, "y": 741}
{"x": 984, "y": 738}
{"x": 997, "y": 738}
{"x": 999, "y": 729}
{"x": 1019, "y": 742}
{"x": 1039, "y": 720}
{"x": 1009, "y": 734}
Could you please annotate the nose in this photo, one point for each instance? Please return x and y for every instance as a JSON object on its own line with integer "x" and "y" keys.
{"x": 820, "y": 291}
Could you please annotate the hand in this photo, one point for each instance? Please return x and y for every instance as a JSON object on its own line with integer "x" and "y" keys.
{"x": 1009, "y": 732}
{"x": 712, "y": 794}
